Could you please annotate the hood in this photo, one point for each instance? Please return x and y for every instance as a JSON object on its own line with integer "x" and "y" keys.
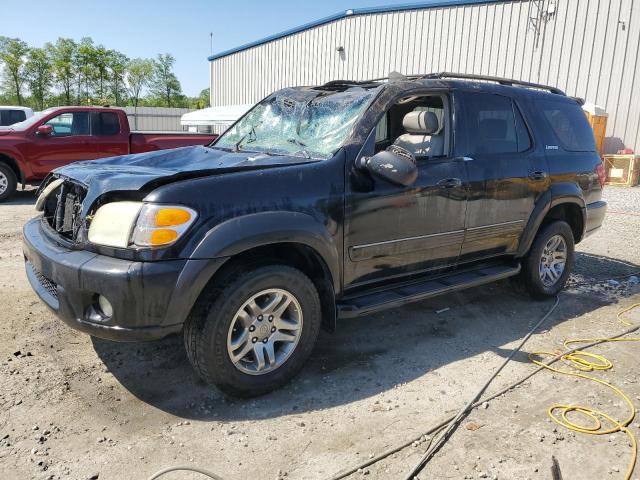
{"x": 134, "y": 172}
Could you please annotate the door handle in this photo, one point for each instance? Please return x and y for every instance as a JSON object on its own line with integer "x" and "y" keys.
{"x": 449, "y": 183}
{"x": 538, "y": 175}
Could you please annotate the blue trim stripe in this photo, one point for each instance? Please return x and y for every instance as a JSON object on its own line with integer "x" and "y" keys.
{"x": 350, "y": 13}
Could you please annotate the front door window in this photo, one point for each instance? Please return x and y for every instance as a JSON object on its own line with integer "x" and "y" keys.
{"x": 69, "y": 123}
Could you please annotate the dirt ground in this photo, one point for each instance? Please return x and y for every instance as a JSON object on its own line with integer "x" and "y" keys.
{"x": 75, "y": 407}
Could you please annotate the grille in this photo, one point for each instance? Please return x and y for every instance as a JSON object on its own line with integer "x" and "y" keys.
{"x": 48, "y": 285}
{"x": 63, "y": 209}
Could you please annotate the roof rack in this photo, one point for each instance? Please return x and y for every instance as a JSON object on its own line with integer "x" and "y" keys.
{"x": 500, "y": 80}
{"x": 343, "y": 84}
{"x": 393, "y": 76}
{"x": 347, "y": 82}
{"x": 462, "y": 76}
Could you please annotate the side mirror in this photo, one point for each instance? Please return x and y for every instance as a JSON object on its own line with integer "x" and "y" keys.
{"x": 395, "y": 165}
{"x": 44, "y": 130}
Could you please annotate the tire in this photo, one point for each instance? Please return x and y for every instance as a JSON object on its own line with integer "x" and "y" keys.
{"x": 208, "y": 333}
{"x": 8, "y": 182}
{"x": 540, "y": 284}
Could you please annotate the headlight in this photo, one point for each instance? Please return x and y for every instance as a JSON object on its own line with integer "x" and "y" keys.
{"x": 124, "y": 224}
{"x": 113, "y": 222}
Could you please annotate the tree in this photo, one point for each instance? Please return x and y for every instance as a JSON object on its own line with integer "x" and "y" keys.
{"x": 203, "y": 100}
{"x": 138, "y": 77}
{"x": 38, "y": 75}
{"x": 101, "y": 61}
{"x": 165, "y": 84}
{"x": 67, "y": 72}
{"x": 63, "y": 55}
{"x": 12, "y": 55}
{"x": 85, "y": 66}
{"x": 117, "y": 68}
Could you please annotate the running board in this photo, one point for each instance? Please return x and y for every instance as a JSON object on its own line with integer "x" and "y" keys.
{"x": 414, "y": 292}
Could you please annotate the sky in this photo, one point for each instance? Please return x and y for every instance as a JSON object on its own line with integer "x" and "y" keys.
{"x": 144, "y": 28}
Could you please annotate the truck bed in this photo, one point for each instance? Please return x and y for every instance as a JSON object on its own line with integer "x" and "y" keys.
{"x": 141, "y": 142}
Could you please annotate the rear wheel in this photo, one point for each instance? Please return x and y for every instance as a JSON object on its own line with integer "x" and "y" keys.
{"x": 8, "y": 182}
{"x": 549, "y": 261}
{"x": 254, "y": 333}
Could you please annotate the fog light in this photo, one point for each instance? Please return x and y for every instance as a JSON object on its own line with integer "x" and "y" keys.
{"x": 105, "y": 306}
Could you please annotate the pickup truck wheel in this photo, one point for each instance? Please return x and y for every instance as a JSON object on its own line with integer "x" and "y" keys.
{"x": 547, "y": 267}
{"x": 8, "y": 182}
{"x": 255, "y": 331}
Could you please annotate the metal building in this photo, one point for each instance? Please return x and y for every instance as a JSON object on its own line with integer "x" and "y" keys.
{"x": 588, "y": 48}
{"x": 155, "y": 118}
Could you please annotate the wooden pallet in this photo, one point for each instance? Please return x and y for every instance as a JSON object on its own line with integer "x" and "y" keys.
{"x": 622, "y": 169}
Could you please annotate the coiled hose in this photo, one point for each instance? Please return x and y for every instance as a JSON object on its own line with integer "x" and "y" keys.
{"x": 582, "y": 361}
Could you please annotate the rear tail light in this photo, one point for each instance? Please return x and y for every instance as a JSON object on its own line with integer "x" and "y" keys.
{"x": 602, "y": 176}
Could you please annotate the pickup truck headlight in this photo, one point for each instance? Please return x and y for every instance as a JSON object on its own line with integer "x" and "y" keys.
{"x": 138, "y": 224}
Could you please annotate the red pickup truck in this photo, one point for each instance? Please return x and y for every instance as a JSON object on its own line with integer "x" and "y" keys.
{"x": 29, "y": 150}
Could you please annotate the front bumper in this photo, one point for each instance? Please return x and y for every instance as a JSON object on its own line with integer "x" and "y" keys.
{"x": 595, "y": 216}
{"x": 150, "y": 299}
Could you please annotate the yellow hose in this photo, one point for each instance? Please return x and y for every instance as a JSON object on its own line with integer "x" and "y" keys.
{"x": 583, "y": 361}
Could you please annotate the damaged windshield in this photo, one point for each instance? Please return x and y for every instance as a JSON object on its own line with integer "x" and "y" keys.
{"x": 301, "y": 122}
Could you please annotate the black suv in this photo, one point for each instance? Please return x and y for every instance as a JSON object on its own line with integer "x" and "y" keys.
{"x": 322, "y": 202}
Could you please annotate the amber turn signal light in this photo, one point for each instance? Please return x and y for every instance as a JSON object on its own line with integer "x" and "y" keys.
{"x": 163, "y": 236}
{"x": 169, "y": 217}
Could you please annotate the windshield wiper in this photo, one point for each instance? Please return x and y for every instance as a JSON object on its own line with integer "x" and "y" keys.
{"x": 250, "y": 133}
{"x": 236, "y": 147}
{"x": 300, "y": 144}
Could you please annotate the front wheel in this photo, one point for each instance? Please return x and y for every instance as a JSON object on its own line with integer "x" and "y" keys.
{"x": 547, "y": 266}
{"x": 8, "y": 182}
{"x": 254, "y": 333}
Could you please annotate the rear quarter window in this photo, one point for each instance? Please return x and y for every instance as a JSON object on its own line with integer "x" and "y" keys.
{"x": 9, "y": 117}
{"x": 570, "y": 126}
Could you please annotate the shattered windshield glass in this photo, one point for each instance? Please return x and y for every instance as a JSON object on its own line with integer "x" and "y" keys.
{"x": 299, "y": 122}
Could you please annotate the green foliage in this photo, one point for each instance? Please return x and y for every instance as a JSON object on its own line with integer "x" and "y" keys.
{"x": 68, "y": 72}
{"x": 118, "y": 63}
{"x": 63, "y": 55}
{"x": 85, "y": 60}
{"x": 202, "y": 100}
{"x": 12, "y": 55}
{"x": 138, "y": 76}
{"x": 164, "y": 83}
{"x": 37, "y": 72}
{"x": 101, "y": 64}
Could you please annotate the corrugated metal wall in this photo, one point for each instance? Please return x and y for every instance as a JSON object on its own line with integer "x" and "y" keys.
{"x": 155, "y": 118}
{"x": 589, "y": 48}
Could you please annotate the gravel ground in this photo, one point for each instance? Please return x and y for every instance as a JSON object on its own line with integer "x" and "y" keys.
{"x": 73, "y": 407}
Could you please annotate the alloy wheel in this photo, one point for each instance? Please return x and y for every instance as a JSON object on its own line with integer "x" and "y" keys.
{"x": 553, "y": 260}
{"x": 4, "y": 183}
{"x": 265, "y": 331}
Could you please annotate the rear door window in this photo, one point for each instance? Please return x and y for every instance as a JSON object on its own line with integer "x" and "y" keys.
{"x": 105, "y": 124}
{"x": 494, "y": 125}
{"x": 570, "y": 126}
